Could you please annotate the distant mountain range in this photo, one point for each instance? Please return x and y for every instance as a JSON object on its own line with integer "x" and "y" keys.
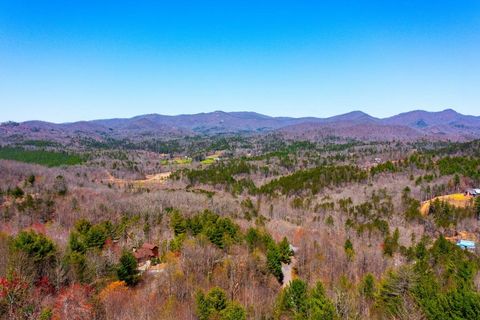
{"x": 443, "y": 125}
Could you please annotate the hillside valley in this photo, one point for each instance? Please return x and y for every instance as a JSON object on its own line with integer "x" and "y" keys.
{"x": 155, "y": 217}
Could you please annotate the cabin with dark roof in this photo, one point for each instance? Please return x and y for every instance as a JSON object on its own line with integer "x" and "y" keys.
{"x": 146, "y": 252}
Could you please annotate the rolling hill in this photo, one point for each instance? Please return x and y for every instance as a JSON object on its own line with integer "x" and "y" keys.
{"x": 418, "y": 124}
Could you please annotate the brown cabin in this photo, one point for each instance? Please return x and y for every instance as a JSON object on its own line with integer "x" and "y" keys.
{"x": 146, "y": 252}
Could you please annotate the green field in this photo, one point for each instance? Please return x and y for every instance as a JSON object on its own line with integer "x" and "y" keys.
{"x": 208, "y": 161}
{"x": 183, "y": 161}
{"x": 46, "y": 158}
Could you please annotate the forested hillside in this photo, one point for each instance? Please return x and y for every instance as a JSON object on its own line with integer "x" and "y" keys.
{"x": 239, "y": 227}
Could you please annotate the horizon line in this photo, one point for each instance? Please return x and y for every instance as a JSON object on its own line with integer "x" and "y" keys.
{"x": 241, "y": 111}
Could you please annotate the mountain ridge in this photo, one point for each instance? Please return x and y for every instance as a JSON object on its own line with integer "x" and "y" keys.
{"x": 415, "y": 124}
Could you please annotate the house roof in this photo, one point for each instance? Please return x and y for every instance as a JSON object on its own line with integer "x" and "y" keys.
{"x": 149, "y": 246}
{"x": 466, "y": 243}
{"x": 143, "y": 253}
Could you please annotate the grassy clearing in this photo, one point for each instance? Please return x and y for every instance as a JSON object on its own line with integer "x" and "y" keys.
{"x": 456, "y": 199}
{"x": 208, "y": 161}
{"x": 183, "y": 161}
{"x": 177, "y": 161}
{"x": 46, "y": 158}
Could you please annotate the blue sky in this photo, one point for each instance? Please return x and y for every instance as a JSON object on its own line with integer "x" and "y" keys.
{"x": 80, "y": 59}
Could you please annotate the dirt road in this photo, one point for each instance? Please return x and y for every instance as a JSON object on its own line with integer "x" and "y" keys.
{"x": 158, "y": 178}
{"x": 288, "y": 272}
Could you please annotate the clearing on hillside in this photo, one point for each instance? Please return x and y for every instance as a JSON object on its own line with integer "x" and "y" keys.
{"x": 455, "y": 199}
{"x": 151, "y": 179}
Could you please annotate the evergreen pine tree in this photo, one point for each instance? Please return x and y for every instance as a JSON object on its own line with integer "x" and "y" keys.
{"x": 127, "y": 269}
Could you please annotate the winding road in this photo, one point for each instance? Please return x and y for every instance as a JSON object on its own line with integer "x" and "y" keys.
{"x": 288, "y": 272}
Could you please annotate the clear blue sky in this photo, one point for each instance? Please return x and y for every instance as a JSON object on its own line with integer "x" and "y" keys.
{"x": 80, "y": 59}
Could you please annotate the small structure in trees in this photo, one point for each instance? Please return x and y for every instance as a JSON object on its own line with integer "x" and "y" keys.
{"x": 472, "y": 192}
{"x": 466, "y": 244}
{"x": 146, "y": 252}
{"x": 293, "y": 248}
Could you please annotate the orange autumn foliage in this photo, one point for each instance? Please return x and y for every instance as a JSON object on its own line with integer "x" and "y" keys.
{"x": 114, "y": 298}
{"x": 115, "y": 287}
